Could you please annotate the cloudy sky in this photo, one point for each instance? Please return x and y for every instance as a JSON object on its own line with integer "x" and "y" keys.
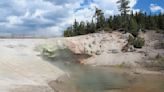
{"x": 51, "y": 17}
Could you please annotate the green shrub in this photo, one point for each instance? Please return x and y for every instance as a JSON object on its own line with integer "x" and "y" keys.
{"x": 107, "y": 29}
{"x": 131, "y": 40}
{"x": 137, "y": 42}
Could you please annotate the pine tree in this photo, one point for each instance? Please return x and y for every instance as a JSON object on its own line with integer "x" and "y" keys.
{"x": 123, "y": 6}
{"x": 147, "y": 21}
{"x": 69, "y": 32}
{"x": 88, "y": 27}
{"x": 82, "y": 28}
{"x": 100, "y": 18}
{"x": 116, "y": 22}
{"x": 161, "y": 21}
{"x": 133, "y": 27}
{"x": 93, "y": 27}
{"x": 152, "y": 23}
{"x": 75, "y": 27}
{"x": 110, "y": 25}
{"x": 140, "y": 19}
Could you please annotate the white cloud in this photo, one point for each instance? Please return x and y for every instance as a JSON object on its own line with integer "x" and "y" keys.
{"x": 50, "y": 16}
{"x": 110, "y": 7}
{"x": 155, "y": 8}
{"x": 14, "y": 20}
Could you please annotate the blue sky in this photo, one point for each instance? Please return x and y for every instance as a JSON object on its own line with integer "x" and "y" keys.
{"x": 51, "y": 17}
{"x": 144, "y": 5}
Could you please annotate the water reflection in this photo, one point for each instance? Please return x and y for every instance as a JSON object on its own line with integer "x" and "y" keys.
{"x": 102, "y": 79}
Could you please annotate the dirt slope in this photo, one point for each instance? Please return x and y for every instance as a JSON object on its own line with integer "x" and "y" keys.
{"x": 21, "y": 69}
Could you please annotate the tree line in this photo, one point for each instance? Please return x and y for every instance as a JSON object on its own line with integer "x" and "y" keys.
{"x": 127, "y": 21}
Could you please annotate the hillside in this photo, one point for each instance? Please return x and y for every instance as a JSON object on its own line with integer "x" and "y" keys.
{"x": 106, "y": 48}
